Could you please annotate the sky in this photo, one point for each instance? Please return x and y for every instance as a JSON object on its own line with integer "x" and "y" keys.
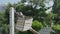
{"x": 6, "y": 1}
{"x": 49, "y": 3}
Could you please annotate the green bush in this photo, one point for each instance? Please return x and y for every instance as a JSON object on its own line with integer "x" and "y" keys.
{"x": 57, "y": 28}
{"x": 37, "y": 25}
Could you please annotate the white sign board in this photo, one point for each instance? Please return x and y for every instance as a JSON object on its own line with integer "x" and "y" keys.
{"x": 24, "y": 24}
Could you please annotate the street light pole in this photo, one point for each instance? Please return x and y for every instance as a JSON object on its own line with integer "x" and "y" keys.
{"x": 11, "y": 15}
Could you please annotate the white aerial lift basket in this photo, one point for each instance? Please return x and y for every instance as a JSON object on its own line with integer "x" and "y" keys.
{"x": 24, "y": 24}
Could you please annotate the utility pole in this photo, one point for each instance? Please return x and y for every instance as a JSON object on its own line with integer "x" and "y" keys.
{"x": 11, "y": 15}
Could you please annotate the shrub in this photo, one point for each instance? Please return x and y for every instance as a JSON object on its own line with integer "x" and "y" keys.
{"x": 57, "y": 28}
{"x": 37, "y": 25}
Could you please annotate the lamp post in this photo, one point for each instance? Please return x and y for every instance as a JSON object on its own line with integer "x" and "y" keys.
{"x": 11, "y": 15}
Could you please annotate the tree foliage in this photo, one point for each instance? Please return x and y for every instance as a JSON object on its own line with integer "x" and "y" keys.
{"x": 56, "y": 10}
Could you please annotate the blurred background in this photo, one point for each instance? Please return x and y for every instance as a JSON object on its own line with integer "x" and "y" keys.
{"x": 44, "y": 12}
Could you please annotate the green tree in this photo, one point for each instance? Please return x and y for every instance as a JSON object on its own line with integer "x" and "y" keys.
{"x": 56, "y": 10}
{"x": 6, "y": 14}
{"x": 4, "y": 21}
{"x": 29, "y": 10}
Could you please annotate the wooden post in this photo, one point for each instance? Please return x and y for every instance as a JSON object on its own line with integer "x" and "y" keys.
{"x": 33, "y": 31}
{"x": 11, "y": 20}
